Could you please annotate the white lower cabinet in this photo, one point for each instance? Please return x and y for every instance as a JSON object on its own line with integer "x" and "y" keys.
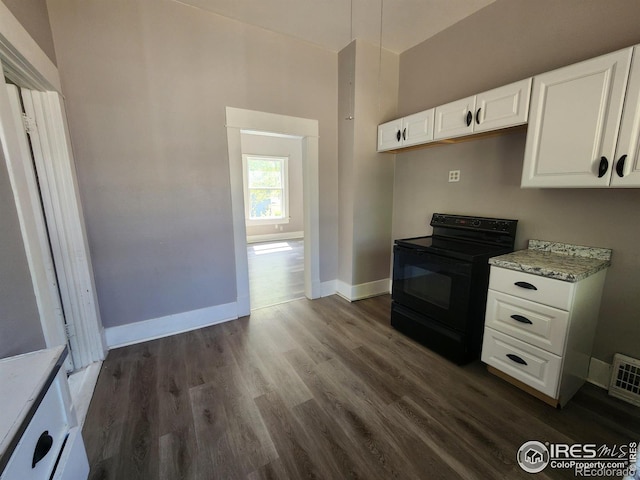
{"x": 40, "y": 437}
{"x": 539, "y": 331}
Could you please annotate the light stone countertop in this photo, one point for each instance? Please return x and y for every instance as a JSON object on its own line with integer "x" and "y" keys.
{"x": 569, "y": 263}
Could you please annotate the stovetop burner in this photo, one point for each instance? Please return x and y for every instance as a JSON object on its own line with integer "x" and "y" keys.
{"x": 466, "y": 238}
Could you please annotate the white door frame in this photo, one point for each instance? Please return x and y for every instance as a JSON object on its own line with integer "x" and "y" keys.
{"x": 24, "y": 62}
{"x": 239, "y": 119}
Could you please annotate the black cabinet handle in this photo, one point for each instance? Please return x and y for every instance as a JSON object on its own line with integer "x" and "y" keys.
{"x": 526, "y": 285}
{"x": 42, "y": 447}
{"x": 603, "y": 167}
{"x": 398, "y": 135}
{"x": 469, "y": 118}
{"x": 521, "y": 319}
{"x": 620, "y": 166}
{"x": 478, "y": 116}
{"x": 516, "y": 358}
{"x": 404, "y": 134}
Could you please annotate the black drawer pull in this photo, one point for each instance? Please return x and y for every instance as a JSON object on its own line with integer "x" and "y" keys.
{"x": 526, "y": 285}
{"x": 516, "y": 358}
{"x": 469, "y": 118}
{"x": 603, "y": 167}
{"x": 521, "y": 319}
{"x": 398, "y": 135}
{"x": 42, "y": 447}
{"x": 478, "y": 116}
{"x": 620, "y": 166}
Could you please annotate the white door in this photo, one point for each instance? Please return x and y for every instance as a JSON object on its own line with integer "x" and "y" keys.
{"x": 573, "y": 123}
{"x": 418, "y": 128}
{"x": 626, "y": 171}
{"x": 455, "y": 119}
{"x": 502, "y": 107}
{"x": 390, "y": 135}
{"x": 34, "y": 230}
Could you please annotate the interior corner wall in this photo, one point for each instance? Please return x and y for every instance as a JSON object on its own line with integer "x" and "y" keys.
{"x": 376, "y": 93}
{"x": 368, "y": 89}
{"x": 146, "y": 85}
{"x": 283, "y": 147}
{"x": 504, "y": 42}
{"x": 20, "y": 329}
{"x": 346, "y": 141}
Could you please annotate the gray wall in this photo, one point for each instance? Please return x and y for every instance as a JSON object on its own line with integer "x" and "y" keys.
{"x": 34, "y": 17}
{"x": 20, "y": 329}
{"x": 146, "y": 85}
{"x": 504, "y": 42}
{"x": 368, "y": 86}
{"x": 284, "y": 147}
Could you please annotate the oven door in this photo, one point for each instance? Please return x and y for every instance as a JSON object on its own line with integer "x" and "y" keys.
{"x": 432, "y": 285}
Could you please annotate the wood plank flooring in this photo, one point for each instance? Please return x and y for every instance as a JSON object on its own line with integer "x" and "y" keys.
{"x": 276, "y": 272}
{"x": 322, "y": 389}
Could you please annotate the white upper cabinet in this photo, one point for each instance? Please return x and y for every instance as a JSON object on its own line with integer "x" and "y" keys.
{"x": 390, "y": 135}
{"x": 574, "y": 123}
{"x": 404, "y": 132}
{"x": 455, "y": 119}
{"x": 501, "y": 107}
{"x": 626, "y": 171}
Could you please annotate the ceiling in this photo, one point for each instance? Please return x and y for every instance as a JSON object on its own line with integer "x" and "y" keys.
{"x": 327, "y": 23}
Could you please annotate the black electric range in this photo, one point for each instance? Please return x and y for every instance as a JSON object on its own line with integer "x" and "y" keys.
{"x": 440, "y": 282}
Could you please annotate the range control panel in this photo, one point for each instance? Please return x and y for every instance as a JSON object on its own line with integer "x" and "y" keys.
{"x": 474, "y": 223}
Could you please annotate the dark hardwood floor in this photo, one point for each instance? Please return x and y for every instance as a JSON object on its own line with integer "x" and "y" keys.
{"x": 322, "y": 389}
{"x": 276, "y": 272}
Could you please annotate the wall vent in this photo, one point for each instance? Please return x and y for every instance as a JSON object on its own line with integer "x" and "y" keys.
{"x": 625, "y": 379}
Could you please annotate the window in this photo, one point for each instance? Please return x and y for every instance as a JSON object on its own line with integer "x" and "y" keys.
{"x": 266, "y": 199}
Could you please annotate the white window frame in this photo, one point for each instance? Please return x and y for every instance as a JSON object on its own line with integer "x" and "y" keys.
{"x": 285, "y": 190}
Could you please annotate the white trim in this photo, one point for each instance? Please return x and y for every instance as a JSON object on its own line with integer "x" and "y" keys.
{"x": 58, "y": 185}
{"x": 237, "y": 120}
{"x": 32, "y": 224}
{"x": 599, "y": 373}
{"x": 363, "y": 290}
{"x": 328, "y": 288}
{"x": 146, "y": 330}
{"x": 268, "y": 237}
{"x": 82, "y": 383}
{"x": 24, "y": 62}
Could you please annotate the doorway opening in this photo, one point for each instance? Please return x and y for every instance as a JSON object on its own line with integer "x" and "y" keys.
{"x": 274, "y": 216}
{"x": 248, "y": 123}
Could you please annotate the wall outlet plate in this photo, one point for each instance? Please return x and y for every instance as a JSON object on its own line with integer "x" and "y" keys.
{"x": 454, "y": 175}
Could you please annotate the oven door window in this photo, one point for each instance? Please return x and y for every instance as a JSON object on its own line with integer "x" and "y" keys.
{"x": 427, "y": 285}
{"x": 432, "y": 285}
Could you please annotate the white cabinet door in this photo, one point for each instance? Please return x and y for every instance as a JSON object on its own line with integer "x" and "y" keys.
{"x": 503, "y": 107}
{"x": 390, "y": 135}
{"x": 573, "y": 123}
{"x": 417, "y": 128}
{"x": 455, "y": 119}
{"x": 626, "y": 171}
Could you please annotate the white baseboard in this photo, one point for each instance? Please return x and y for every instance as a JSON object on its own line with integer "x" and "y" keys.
{"x": 268, "y": 237}
{"x": 328, "y": 288}
{"x": 363, "y": 290}
{"x": 146, "y": 330}
{"x": 599, "y": 373}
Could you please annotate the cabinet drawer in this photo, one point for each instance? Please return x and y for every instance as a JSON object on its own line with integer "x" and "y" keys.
{"x": 50, "y": 417}
{"x": 547, "y": 291}
{"x": 534, "y": 323}
{"x": 531, "y": 365}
